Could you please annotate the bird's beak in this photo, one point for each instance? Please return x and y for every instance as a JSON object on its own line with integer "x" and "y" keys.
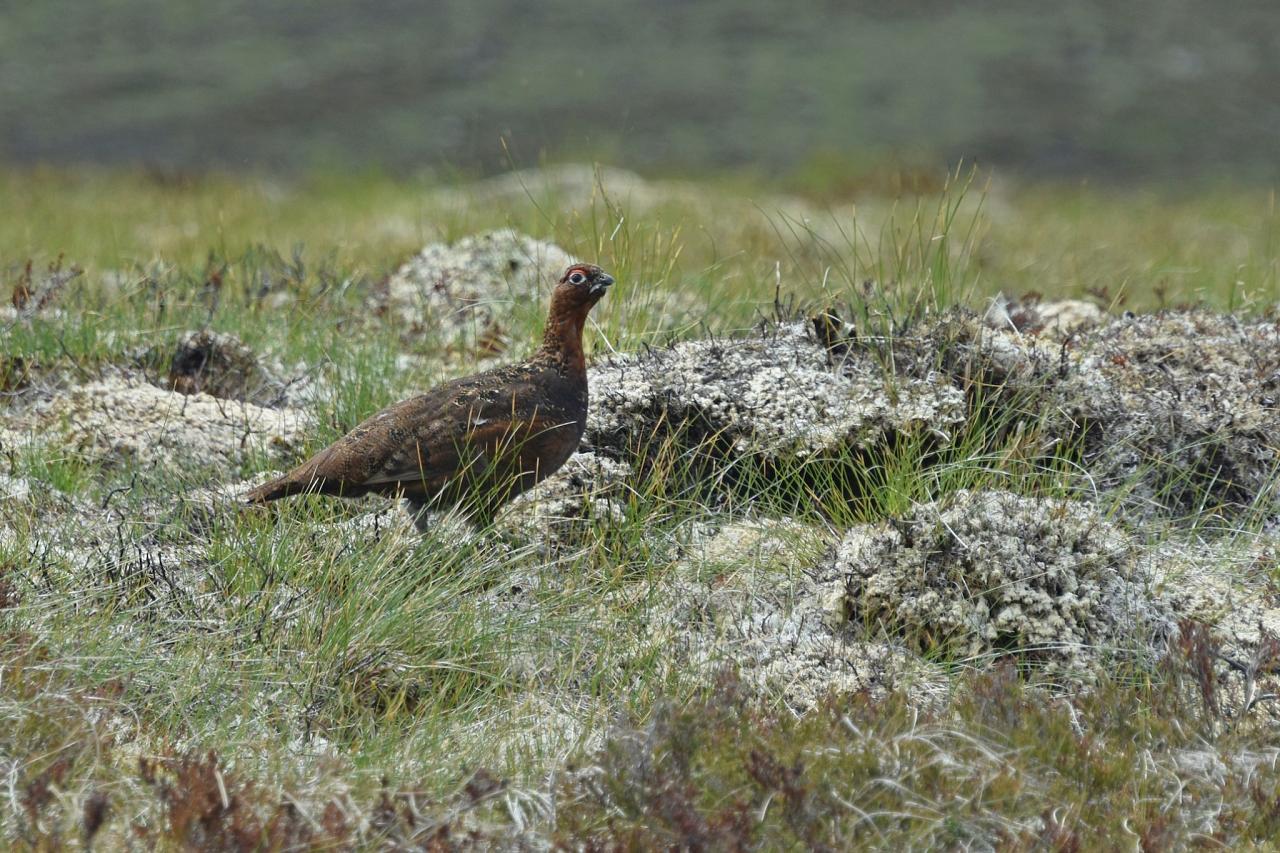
{"x": 601, "y": 284}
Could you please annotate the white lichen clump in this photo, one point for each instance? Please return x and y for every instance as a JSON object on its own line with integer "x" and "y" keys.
{"x": 1177, "y": 412}
{"x": 1227, "y": 585}
{"x": 745, "y": 597}
{"x": 1182, "y": 408}
{"x": 780, "y": 393}
{"x": 124, "y": 420}
{"x": 14, "y": 488}
{"x": 466, "y": 290}
{"x": 588, "y": 489}
{"x": 991, "y": 573}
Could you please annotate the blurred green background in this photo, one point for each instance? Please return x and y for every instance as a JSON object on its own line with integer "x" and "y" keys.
{"x": 808, "y": 93}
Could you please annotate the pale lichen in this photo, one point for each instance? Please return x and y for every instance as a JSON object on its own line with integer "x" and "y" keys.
{"x": 778, "y": 393}
{"x": 587, "y": 490}
{"x": 465, "y": 293}
{"x": 985, "y": 574}
{"x": 121, "y": 419}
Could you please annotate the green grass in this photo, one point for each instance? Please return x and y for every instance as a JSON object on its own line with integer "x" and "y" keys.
{"x": 143, "y": 244}
{"x": 317, "y": 654}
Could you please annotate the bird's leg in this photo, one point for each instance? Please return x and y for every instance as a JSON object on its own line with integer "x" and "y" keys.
{"x": 421, "y": 513}
{"x": 480, "y": 518}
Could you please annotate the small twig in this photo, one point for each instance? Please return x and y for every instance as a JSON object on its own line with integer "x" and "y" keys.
{"x": 133, "y": 481}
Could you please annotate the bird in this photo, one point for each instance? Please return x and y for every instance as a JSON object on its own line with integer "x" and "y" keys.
{"x": 475, "y": 442}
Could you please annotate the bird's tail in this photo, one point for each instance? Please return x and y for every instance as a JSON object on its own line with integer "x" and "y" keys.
{"x": 280, "y": 487}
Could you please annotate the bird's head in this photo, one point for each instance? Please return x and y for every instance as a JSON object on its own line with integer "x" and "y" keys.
{"x": 582, "y": 285}
{"x": 578, "y": 290}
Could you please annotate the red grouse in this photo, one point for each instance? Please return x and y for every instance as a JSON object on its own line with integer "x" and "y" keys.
{"x": 476, "y": 442}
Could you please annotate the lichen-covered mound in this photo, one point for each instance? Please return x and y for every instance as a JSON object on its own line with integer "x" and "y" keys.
{"x": 1182, "y": 408}
{"x": 1223, "y": 592}
{"x": 1227, "y": 585}
{"x": 587, "y": 489}
{"x": 746, "y": 597}
{"x": 463, "y": 292}
{"x": 1176, "y": 411}
{"x": 122, "y": 419}
{"x": 990, "y": 573}
{"x": 14, "y": 488}
{"x": 779, "y": 393}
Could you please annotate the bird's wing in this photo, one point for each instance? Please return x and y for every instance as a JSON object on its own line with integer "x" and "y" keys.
{"x": 433, "y": 448}
{"x": 446, "y": 450}
{"x": 431, "y": 437}
{"x": 360, "y": 454}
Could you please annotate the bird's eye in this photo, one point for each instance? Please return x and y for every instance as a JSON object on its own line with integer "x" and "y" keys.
{"x": 577, "y": 278}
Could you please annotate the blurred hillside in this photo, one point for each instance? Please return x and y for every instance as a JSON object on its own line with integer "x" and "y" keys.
{"x": 1145, "y": 89}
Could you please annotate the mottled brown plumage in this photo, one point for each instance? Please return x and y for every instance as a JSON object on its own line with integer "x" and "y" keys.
{"x": 477, "y": 441}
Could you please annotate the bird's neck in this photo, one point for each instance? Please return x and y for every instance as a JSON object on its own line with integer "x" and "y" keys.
{"x": 562, "y": 340}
